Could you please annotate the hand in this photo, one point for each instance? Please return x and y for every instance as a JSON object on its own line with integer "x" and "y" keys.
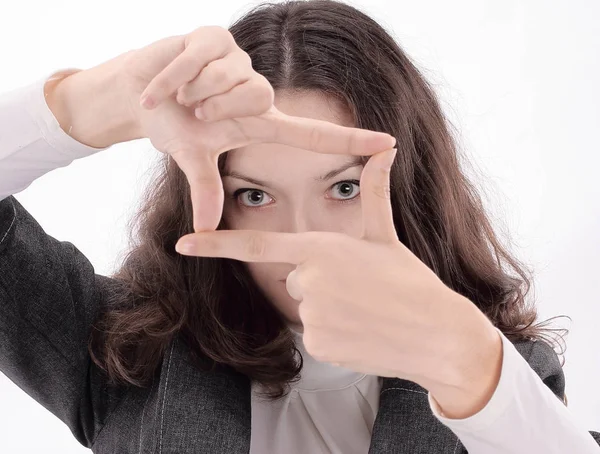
{"x": 370, "y": 304}
{"x": 206, "y": 68}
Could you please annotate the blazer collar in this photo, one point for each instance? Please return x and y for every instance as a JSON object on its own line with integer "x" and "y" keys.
{"x": 200, "y": 412}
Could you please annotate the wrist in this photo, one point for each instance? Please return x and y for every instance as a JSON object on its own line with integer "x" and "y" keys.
{"x": 92, "y": 106}
{"x": 472, "y": 375}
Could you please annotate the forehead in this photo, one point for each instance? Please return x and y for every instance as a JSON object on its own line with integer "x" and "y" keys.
{"x": 272, "y": 156}
{"x": 313, "y": 104}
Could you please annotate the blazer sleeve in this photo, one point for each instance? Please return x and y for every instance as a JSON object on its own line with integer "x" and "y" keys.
{"x": 545, "y": 362}
{"x": 49, "y": 299}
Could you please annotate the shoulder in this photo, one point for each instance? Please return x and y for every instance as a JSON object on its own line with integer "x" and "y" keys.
{"x": 544, "y": 360}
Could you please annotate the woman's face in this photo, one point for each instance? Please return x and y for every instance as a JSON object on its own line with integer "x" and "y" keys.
{"x": 294, "y": 194}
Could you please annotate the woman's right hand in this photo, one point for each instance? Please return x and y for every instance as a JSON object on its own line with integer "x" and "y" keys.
{"x": 206, "y": 68}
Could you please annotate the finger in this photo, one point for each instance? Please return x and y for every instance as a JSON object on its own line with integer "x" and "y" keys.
{"x": 325, "y": 137}
{"x": 203, "y": 48}
{"x": 378, "y": 222}
{"x": 206, "y": 188}
{"x": 253, "y": 97}
{"x": 250, "y": 245}
{"x": 218, "y": 77}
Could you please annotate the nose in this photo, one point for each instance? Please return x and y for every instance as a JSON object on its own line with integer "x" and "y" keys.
{"x": 305, "y": 219}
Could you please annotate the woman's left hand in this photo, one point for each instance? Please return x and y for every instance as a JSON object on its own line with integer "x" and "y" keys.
{"x": 370, "y": 305}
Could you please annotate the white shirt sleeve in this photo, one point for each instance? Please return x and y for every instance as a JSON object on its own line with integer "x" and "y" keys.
{"x": 32, "y": 142}
{"x": 523, "y": 416}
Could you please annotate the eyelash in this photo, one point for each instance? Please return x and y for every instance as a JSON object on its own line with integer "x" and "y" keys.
{"x": 240, "y": 191}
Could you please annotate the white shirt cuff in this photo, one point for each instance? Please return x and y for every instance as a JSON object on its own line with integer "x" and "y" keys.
{"x": 523, "y": 416}
{"x": 35, "y": 143}
{"x": 47, "y": 123}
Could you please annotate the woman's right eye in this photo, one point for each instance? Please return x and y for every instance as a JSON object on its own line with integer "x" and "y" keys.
{"x": 251, "y": 195}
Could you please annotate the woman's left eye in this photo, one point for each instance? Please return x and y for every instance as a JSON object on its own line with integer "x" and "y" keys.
{"x": 346, "y": 187}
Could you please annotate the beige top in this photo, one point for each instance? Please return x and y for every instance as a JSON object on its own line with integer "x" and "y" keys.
{"x": 330, "y": 410}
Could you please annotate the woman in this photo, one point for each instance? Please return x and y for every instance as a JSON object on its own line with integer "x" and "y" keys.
{"x": 317, "y": 322}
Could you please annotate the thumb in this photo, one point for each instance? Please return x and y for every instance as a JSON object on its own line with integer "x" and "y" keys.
{"x": 206, "y": 188}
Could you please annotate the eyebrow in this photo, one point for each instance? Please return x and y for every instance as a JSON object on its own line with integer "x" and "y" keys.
{"x": 357, "y": 161}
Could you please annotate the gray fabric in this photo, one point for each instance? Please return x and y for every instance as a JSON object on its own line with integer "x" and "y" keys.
{"x": 49, "y": 297}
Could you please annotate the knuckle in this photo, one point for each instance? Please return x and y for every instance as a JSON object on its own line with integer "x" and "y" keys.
{"x": 382, "y": 190}
{"x": 160, "y": 86}
{"x": 263, "y": 96}
{"x": 187, "y": 64}
{"x": 314, "y": 138}
{"x": 268, "y": 94}
{"x": 187, "y": 59}
{"x": 245, "y": 58}
{"x": 211, "y": 109}
{"x": 222, "y": 33}
{"x": 256, "y": 246}
{"x": 218, "y": 73}
{"x": 214, "y": 34}
{"x": 183, "y": 96}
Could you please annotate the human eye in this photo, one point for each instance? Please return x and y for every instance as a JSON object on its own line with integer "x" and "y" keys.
{"x": 244, "y": 192}
{"x": 348, "y": 184}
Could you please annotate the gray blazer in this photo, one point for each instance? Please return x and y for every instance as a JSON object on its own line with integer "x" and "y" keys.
{"x": 49, "y": 298}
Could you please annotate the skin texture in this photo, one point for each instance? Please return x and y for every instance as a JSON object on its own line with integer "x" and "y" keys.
{"x": 157, "y": 91}
{"x": 395, "y": 319}
{"x": 293, "y": 201}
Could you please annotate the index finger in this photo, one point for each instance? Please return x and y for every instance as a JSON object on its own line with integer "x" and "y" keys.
{"x": 253, "y": 245}
{"x": 325, "y": 137}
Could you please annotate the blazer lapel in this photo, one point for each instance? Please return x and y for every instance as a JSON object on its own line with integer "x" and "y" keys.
{"x": 405, "y": 423}
{"x": 210, "y": 412}
{"x": 199, "y": 412}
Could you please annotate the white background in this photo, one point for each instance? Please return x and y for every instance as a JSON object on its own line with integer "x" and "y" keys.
{"x": 518, "y": 78}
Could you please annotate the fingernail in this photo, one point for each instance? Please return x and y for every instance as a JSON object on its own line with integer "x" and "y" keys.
{"x": 147, "y": 102}
{"x": 200, "y": 114}
{"x": 389, "y": 159}
{"x": 184, "y": 247}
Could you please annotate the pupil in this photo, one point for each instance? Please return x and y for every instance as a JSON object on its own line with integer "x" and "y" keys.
{"x": 253, "y": 199}
{"x": 347, "y": 186}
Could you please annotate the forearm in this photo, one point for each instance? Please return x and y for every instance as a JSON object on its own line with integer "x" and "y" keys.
{"x": 92, "y": 105}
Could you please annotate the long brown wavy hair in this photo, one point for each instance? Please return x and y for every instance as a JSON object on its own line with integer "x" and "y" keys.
{"x": 214, "y": 305}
